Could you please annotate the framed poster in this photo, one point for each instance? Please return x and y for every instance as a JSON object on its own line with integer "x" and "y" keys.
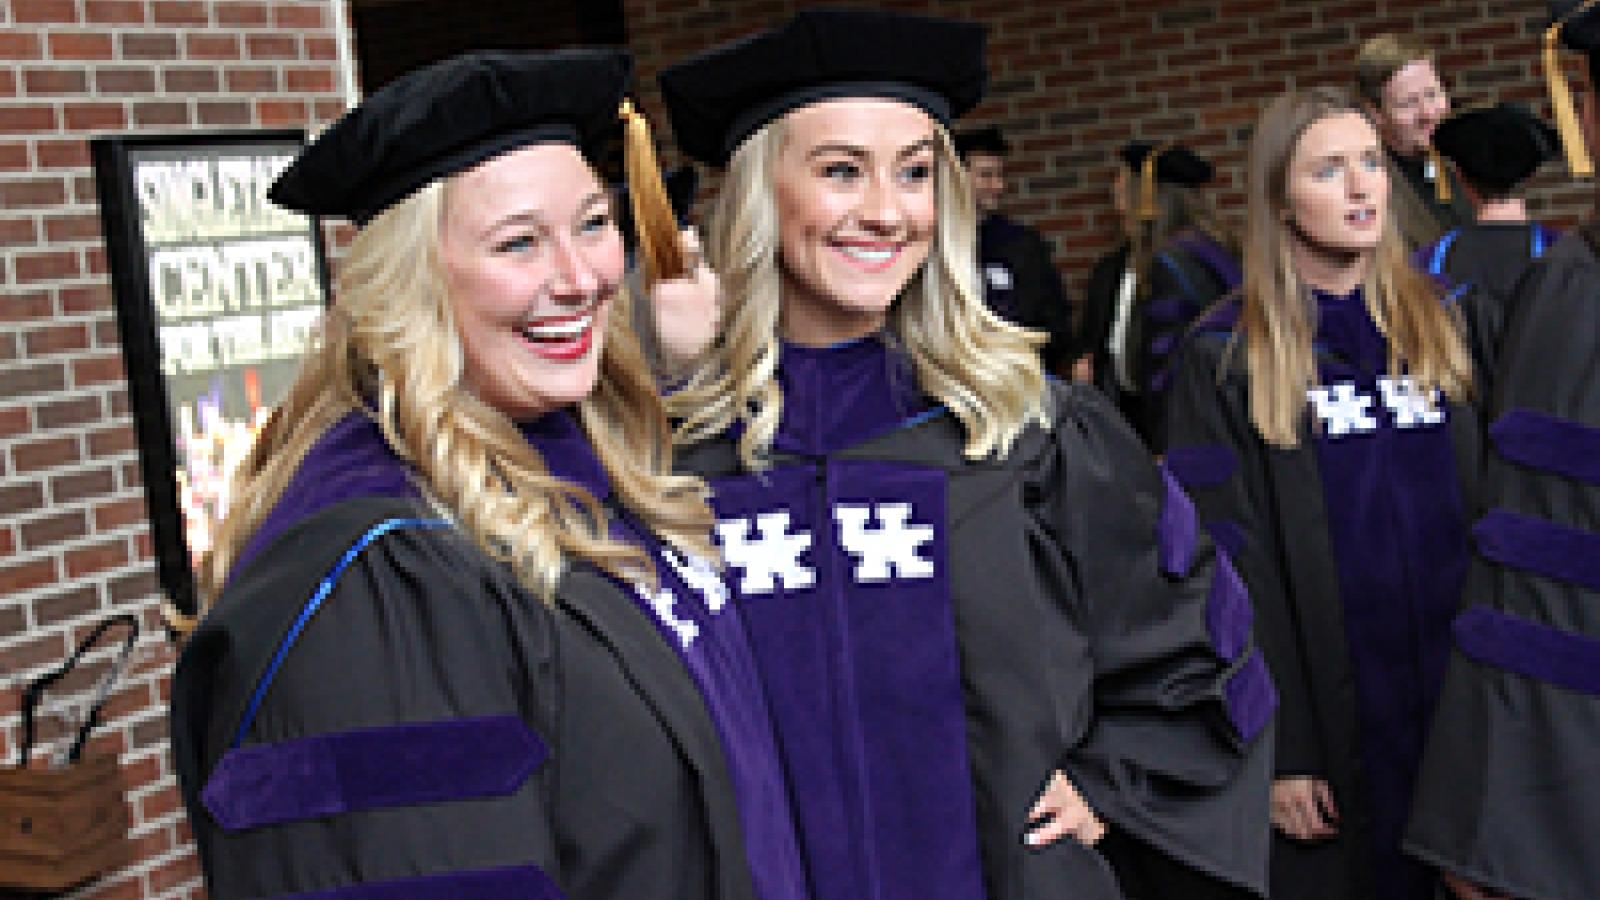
{"x": 218, "y": 293}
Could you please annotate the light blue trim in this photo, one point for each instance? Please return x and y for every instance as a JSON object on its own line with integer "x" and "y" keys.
{"x": 1440, "y": 250}
{"x": 324, "y": 588}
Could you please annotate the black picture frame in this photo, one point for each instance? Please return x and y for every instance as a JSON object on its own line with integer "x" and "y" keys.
{"x": 213, "y": 284}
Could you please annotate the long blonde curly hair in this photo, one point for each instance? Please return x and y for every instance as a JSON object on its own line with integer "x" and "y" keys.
{"x": 985, "y": 370}
{"x": 390, "y": 345}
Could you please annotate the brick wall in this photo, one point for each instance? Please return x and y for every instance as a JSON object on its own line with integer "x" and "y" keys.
{"x": 1071, "y": 80}
{"x": 74, "y": 542}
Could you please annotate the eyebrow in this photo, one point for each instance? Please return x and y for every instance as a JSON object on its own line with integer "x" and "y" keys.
{"x": 536, "y": 218}
{"x": 858, "y": 152}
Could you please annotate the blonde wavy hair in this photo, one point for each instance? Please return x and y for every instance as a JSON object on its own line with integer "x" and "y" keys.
{"x": 1278, "y": 316}
{"x": 985, "y": 370}
{"x": 390, "y": 346}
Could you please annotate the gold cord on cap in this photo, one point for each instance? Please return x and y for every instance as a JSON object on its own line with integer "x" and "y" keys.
{"x": 1578, "y": 162}
{"x": 660, "y": 248}
{"x": 1147, "y": 183}
{"x": 1441, "y": 177}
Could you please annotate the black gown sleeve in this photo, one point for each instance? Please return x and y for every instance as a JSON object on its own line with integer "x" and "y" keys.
{"x": 404, "y": 737}
{"x": 1177, "y": 755}
{"x": 1219, "y": 457}
{"x": 1050, "y": 312}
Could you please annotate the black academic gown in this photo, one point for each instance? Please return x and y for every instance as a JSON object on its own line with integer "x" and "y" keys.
{"x": 1511, "y": 791}
{"x": 374, "y": 707}
{"x": 1022, "y": 285}
{"x": 1484, "y": 261}
{"x": 1353, "y": 590}
{"x": 937, "y": 635}
{"x": 1095, "y": 322}
{"x": 1422, "y": 215}
{"x": 1188, "y": 275}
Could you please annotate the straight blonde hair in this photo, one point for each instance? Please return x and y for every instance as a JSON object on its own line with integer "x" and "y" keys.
{"x": 1278, "y": 316}
{"x": 390, "y": 348}
{"x": 985, "y": 370}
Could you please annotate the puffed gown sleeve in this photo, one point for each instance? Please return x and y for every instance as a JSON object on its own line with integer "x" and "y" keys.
{"x": 1176, "y": 754}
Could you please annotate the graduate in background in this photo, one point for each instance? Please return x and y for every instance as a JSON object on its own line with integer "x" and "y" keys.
{"x": 1509, "y": 802}
{"x": 1000, "y": 650}
{"x": 1178, "y": 257}
{"x": 464, "y": 638}
{"x": 1494, "y": 150}
{"x": 1020, "y": 280}
{"x": 1399, "y": 84}
{"x": 1321, "y": 420}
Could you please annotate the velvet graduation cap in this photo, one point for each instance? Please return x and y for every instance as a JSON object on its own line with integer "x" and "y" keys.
{"x": 717, "y": 99}
{"x": 1497, "y": 147}
{"x": 451, "y": 115}
{"x": 989, "y": 140}
{"x": 1166, "y": 163}
{"x": 1575, "y": 23}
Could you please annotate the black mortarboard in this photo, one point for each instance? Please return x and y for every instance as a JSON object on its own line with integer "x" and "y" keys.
{"x": 449, "y": 116}
{"x": 1575, "y": 23}
{"x": 1497, "y": 147}
{"x": 988, "y": 139}
{"x": 720, "y": 97}
{"x": 1175, "y": 164}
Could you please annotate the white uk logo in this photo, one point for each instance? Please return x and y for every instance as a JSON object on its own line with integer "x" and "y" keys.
{"x": 1342, "y": 410}
{"x": 1410, "y": 407}
{"x": 662, "y": 602}
{"x": 892, "y": 546}
{"x": 699, "y": 574}
{"x": 773, "y": 556}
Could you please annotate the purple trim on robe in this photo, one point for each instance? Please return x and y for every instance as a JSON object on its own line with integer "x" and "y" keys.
{"x": 1228, "y": 535}
{"x": 1165, "y": 310}
{"x": 839, "y": 396}
{"x": 1563, "y": 658}
{"x": 1215, "y": 258}
{"x": 1540, "y": 546}
{"x": 1202, "y": 465}
{"x": 372, "y": 768}
{"x": 855, "y": 640}
{"x": 1550, "y": 443}
{"x": 351, "y": 459}
{"x": 1228, "y": 613}
{"x": 1250, "y": 697}
{"x": 707, "y": 634}
{"x": 510, "y": 883}
{"x": 1178, "y": 531}
{"x": 1397, "y": 526}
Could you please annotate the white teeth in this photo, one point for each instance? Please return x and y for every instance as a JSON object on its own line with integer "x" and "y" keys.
{"x": 867, "y": 255}
{"x": 559, "y": 331}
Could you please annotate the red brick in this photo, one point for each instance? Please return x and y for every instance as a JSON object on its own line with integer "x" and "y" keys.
{"x": 86, "y": 45}
{"x": 43, "y": 12}
{"x": 193, "y": 80}
{"x": 85, "y": 116}
{"x": 96, "y": 558}
{"x": 119, "y": 514}
{"x": 45, "y": 453}
{"x": 18, "y": 232}
{"x": 212, "y": 46}
{"x": 125, "y": 81}
{"x": 34, "y": 653}
{"x": 28, "y": 118}
{"x": 222, "y": 113}
{"x": 281, "y": 113}
{"x": 85, "y": 299}
{"x": 48, "y": 265}
{"x": 271, "y": 46}
{"x": 148, "y": 45}
{"x": 150, "y": 113}
{"x": 318, "y": 80}
{"x": 56, "y": 339}
{"x": 68, "y": 154}
{"x": 71, "y": 227}
{"x": 320, "y": 49}
{"x": 25, "y": 576}
{"x": 237, "y": 14}
{"x": 98, "y": 370}
{"x": 299, "y": 16}
{"x": 179, "y": 12}
{"x": 114, "y": 12}
{"x": 251, "y": 80}
{"x": 54, "y": 82}
{"x": 21, "y": 496}
{"x": 36, "y": 534}
{"x": 173, "y": 873}
{"x": 20, "y": 45}
{"x": 14, "y": 156}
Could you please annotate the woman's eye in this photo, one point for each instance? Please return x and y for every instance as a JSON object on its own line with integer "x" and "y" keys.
{"x": 841, "y": 171}
{"x": 1371, "y": 163}
{"x": 595, "y": 223}
{"x": 517, "y": 244}
{"x": 1325, "y": 173}
{"x": 917, "y": 172}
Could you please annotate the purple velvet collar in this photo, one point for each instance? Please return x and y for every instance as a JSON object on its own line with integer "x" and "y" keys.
{"x": 839, "y": 396}
{"x": 353, "y": 460}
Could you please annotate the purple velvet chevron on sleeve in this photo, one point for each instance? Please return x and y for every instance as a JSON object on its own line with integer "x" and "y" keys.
{"x": 1228, "y": 612}
{"x": 1540, "y": 546}
{"x": 370, "y": 768}
{"x": 1250, "y": 697}
{"x": 509, "y": 883}
{"x": 1549, "y": 443}
{"x": 1178, "y": 531}
{"x": 1228, "y": 535}
{"x": 1202, "y": 465}
{"x": 1529, "y": 648}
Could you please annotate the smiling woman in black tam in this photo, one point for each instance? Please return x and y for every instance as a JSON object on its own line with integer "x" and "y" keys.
{"x": 997, "y": 645}
{"x": 463, "y": 639}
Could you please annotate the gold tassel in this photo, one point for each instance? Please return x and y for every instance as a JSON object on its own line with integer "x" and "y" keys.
{"x": 1578, "y": 162}
{"x": 1147, "y": 184}
{"x": 1441, "y": 178}
{"x": 660, "y": 247}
